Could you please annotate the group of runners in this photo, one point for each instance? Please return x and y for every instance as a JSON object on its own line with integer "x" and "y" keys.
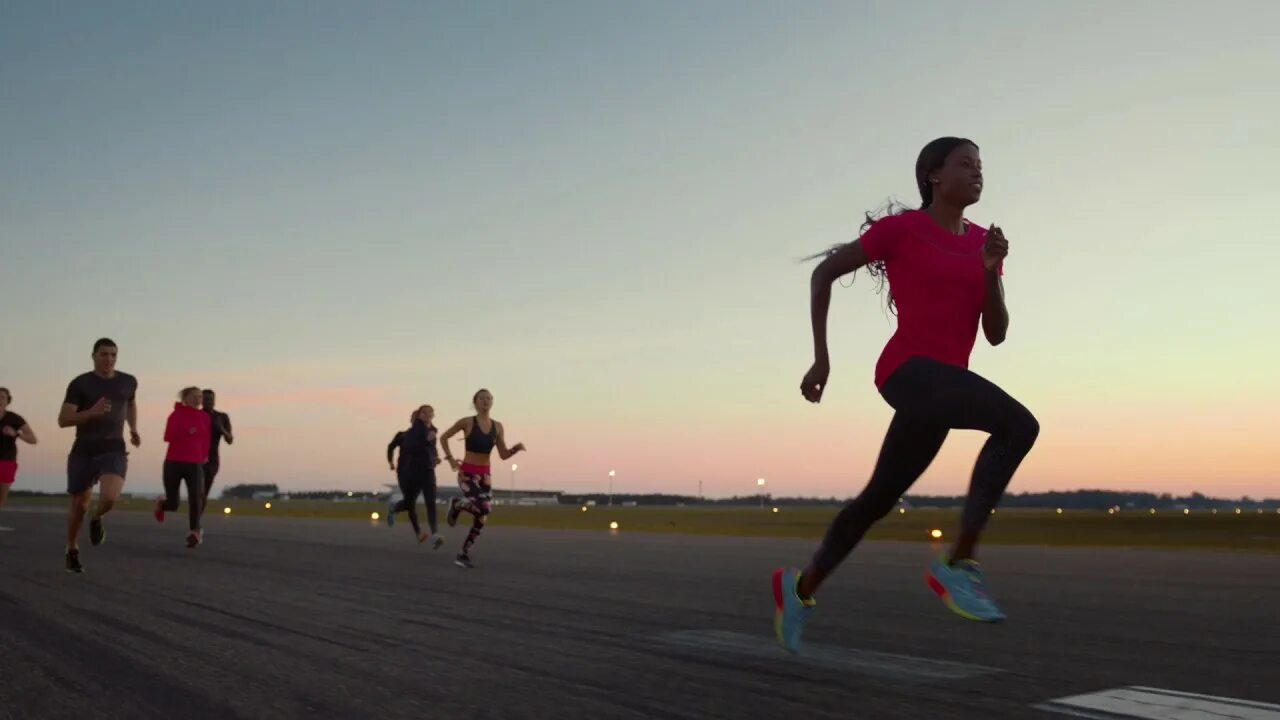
{"x": 416, "y": 471}
{"x": 944, "y": 275}
{"x": 99, "y": 404}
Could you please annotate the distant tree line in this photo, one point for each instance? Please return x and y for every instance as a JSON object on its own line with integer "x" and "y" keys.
{"x": 1074, "y": 499}
{"x": 1070, "y": 500}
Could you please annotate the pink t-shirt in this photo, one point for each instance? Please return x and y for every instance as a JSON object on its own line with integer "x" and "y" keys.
{"x": 939, "y": 284}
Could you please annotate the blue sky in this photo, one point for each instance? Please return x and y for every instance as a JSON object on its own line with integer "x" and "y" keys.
{"x": 331, "y": 212}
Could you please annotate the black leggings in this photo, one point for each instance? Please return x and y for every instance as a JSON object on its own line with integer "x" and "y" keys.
{"x": 930, "y": 398}
{"x": 174, "y": 475}
{"x": 414, "y": 481}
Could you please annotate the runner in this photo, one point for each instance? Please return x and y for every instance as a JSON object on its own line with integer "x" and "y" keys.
{"x": 482, "y": 434}
{"x": 187, "y": 432}
{"x": 417, "y": 475}
{"x": 97, "y": 405}
{"x": 219, "y": 427}
{"x": 944, "y": 275}
{"x": 12, "y": 428}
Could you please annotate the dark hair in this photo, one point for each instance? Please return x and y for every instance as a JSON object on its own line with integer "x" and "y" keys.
{"x": 931, "y": 157}
{"x": 7, "y": 394}
{"x": 207, "y": 391}
{"x": 104, "y": 342}
{"x": 477, "y": 396}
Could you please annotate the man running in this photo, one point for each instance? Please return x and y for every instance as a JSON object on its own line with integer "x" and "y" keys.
{"x": 12, "y": 428}
{"x": 97, "y": 405}
{"x": 219, "y": 427}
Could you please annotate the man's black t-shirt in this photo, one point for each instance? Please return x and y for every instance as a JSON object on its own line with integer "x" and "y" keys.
{"x": 9, "y": 445}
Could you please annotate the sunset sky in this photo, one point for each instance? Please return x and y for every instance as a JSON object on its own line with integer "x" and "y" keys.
{"x": 331, "y": 212}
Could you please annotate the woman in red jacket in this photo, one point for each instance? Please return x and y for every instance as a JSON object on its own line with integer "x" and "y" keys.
{"x": 188, "y": 435}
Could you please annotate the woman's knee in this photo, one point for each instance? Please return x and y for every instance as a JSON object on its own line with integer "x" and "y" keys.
{"x": 1024, "y": 429}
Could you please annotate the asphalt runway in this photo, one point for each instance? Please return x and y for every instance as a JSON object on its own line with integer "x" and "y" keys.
{"x": 334, "y": 619}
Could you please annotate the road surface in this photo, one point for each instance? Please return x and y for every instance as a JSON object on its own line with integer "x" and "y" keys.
{"x": 290, "y": 618}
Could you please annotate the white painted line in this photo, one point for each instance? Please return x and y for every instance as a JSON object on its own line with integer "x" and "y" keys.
{"x": 1149, "y": 703}
{"x": 867, "y": 662}
{"x": 5, "y": 529}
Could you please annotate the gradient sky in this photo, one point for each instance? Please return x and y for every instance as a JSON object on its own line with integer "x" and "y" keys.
{"x": 330, "y": 212}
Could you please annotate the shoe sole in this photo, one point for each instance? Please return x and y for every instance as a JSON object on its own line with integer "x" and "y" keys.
{"x": 779, "y": 606}
{"x": 945, "y": 595}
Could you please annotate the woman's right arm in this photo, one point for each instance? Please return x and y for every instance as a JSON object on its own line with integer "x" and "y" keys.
{"x": 839, "y": 263}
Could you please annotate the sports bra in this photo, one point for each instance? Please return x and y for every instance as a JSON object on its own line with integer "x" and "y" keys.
{"x": 479, "y": 441}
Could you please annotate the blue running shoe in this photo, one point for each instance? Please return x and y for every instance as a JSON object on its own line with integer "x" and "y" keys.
{"x": 962, "y": 589}
{"x": 791, "y": 612}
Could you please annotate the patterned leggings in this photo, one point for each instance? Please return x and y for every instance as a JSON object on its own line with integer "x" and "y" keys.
{"x": 478, "y": 502}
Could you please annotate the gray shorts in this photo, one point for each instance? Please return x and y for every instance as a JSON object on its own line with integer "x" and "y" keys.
{"x": 84, "y": 471}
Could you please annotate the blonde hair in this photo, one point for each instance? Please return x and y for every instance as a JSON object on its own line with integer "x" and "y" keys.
{"x": 184, "y": 392}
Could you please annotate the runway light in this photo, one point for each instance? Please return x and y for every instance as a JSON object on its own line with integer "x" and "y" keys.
{"x": 1111, "y": 511}
{"x": 936, "y": 534}
{"x": 1186, "y": 511}
{"x": 350, "y": 494}
{"x": 1059, "y": 511}
{"x": 775, "y": 509}
{"x": 584, "y": 508}
{"x": 1153, "y": 511}
{"x": 267, "y": 506}
{"x": 613, "y": 526}
{"x": 374, "y": 516}
{"x": 226, "y": 511}
{"x": 1238, "y": 511}
{"x": 1259, "y": 511}
{"x": 902, "y": 511}
{"x": 993, "y": 511}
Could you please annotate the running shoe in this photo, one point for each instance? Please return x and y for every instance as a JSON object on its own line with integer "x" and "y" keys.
{"x": 963, "y": 589}
{"x": 73, "y": 562}
{"x": 452, "y": 517}
{"x": 159, "y": 513}
{"x": 790, "y": 612}
{"x": 97, "y": 534}
{"x": 463, "y": 561}
{"x": 193, "y": 539}
{"x": 437, "y": 543}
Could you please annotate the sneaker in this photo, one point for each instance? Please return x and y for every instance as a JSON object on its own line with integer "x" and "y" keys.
{"x": 790, "y": 611}
{"x": 463, "y": 561}
{"x": 391, "y": 513}
{"x": 452, "y": 517}
{"x": 437, "y": 543}
{"x": 97, "y": 534}
{"x": 963, "y": 590}
{"x": 159, "y": 513}
{"x": 193, "y": 539}
{"x": 73, "y": 562}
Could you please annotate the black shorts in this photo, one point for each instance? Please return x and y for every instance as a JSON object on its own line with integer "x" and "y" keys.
{"x": 84, "y": 471}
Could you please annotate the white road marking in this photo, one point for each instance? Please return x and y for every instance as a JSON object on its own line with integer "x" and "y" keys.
{"x": 867, "y": 662}
{"x": 5, "y": 529}
{"x": 1156, "y": 704}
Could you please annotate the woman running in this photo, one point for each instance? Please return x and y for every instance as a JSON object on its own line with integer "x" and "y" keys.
{"x": 189, "y": 434}
{"x": 944, "y": 277}
{"x": 416, "y": 474}
{"x": 12, "y": 428}
{"x": 482, "y": 434}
